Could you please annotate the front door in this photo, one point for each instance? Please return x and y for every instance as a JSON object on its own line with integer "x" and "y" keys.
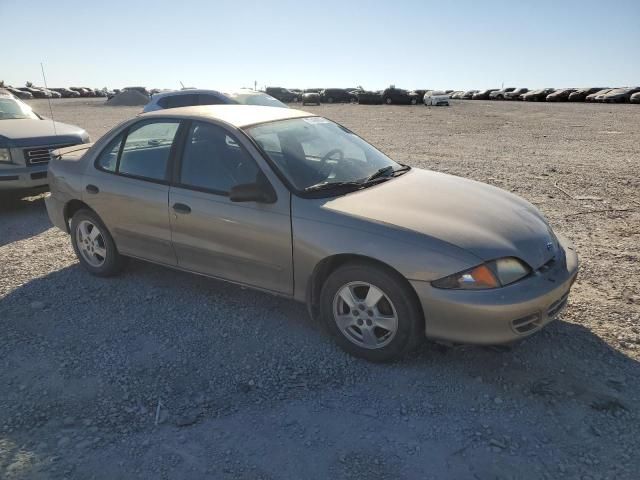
{"x": 247, "y": 242}
{"x": 129, "y": 190}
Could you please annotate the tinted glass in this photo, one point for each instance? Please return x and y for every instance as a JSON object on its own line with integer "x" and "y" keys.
{"x": 205, "y": 99}
{"x": 109, "y": 156}
{"x": 213, "y": 160}
{"x": 187, "y": 100}
{"x": 146, "y": 150}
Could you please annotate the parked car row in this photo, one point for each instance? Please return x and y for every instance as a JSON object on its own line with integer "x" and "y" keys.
{"x": 30, "y": 92}
{"x": 590, "y": 94}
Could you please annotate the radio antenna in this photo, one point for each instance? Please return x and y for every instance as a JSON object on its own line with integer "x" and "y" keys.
{"x": 44, "y": 78}
{"x": 181, "y": 84}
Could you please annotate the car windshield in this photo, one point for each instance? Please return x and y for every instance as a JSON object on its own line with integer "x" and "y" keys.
{"x": 11, "y": 109}
{"x": 314, "y": 151}
{"x": 251, "y": 98}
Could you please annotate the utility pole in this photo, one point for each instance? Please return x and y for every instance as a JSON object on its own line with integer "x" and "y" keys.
{"x": 255, "y": 85}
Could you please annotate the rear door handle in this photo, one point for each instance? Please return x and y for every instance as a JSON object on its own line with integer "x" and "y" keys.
{"x": 92, "y": 189}
{"x": 181, "y": 208}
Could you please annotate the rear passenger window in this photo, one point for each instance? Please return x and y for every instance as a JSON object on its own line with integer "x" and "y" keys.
{"x": 186, "y": 100}
{"x": 146, "y": 150}
{"x": 109, "y": 157}
{"x": 209, "y": 100}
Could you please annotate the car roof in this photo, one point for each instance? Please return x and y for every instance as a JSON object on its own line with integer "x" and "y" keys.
{"x": 237, "y": 115}
{"x": 186, "y": 91}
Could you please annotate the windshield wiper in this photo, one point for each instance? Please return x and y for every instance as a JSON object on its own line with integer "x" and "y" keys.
{"x": 332, "y": 186}
{"x": 387, "y": 171}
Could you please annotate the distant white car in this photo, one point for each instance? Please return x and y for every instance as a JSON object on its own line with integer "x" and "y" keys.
{"x": 436, "y": 98}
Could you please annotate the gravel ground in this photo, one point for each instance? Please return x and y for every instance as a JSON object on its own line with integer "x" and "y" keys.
{"x": 161, "y": 374}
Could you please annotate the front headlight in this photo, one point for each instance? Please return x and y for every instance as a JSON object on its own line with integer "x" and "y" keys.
{"x": 5, "y": 155}
{"x": 494, "y": 274}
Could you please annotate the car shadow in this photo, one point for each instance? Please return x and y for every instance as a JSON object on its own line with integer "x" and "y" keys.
{"x": 22, "y": 217}
{"x": 111, "y": 349}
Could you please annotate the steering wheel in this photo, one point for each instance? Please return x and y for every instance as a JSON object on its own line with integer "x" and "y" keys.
{"x": 327, "y": 156}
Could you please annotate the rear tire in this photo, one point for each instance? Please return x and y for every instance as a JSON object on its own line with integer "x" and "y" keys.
{"x": 388, "y": 101}
{"x": 94, "y": 245}
{"x": 371, "y": 312}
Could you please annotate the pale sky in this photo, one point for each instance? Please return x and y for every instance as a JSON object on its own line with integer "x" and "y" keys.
{"x": 323, "y": 43}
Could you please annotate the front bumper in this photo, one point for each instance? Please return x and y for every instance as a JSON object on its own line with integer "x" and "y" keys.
{"x": 23, "y": 178}
{"x": 500, "y": 315}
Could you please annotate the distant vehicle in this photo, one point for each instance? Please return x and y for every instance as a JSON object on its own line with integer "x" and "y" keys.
{"x": 310, "y": 98}
{"x": 483, "y": 94}
{"x": 100, "y": 93}
{"x": 620, "y": 95}
{"x": 51, "y": 93}
{"x": 635, "y": 98}
{"x": 21, "y": 94}
{"x": 142, "y": 90}
{"x": 283, "y": 94}
{"x": 186, "y": 98}
{"x": 515, "y": 94}
{"x": 581, "y": 94}
{"x": 500, "y": 94}
{"x": 457, "y": 95}
{"x": 66, "y": 92}
{"x": 298, "y": 92}
{"x": 82, "y": 91}
{"x": 537, "y": 95}
{"x": 36, "y": 92}
{"x": 26, "y": 141}
{"x": 420, "y": 92}
{"x": 312, "y": 90}
{"x": 599, "y": 94}
{"x": 468, "y": 95}
{"x": 398, "y": 96}
{"x": 337, "y": 95}
{"x": 246, "y": 96}
{"x": 561, "y": 95}
{"x": 369, "y": 98}
{"x": 436, "y": 98}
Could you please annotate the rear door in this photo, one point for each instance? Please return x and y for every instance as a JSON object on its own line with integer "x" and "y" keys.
{"x": 247, "y": 242}
{"x": 129, "y": 188}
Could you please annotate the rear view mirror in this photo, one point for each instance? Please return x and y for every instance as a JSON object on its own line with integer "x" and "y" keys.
{"x": 253, "y": 192}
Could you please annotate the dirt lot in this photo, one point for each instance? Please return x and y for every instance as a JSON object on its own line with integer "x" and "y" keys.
{"x": 250, "y": 388}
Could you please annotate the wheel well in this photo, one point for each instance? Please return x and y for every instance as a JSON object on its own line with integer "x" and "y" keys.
{"x": 71, "y": 208}
{"x": 328, "y": 265}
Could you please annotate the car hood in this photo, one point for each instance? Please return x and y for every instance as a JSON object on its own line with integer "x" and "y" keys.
{"x": 484, "y": 220}
{"x": 28, "y": 132}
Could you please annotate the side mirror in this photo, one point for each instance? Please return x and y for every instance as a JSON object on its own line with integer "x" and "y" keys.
{"x": 253, "y": 192}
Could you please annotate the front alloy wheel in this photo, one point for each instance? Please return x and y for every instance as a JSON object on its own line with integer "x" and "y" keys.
{"x": 371, "y": 311}
{"x": 365, "y": 315}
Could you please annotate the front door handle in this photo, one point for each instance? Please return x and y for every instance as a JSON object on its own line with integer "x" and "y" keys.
{"x": 181, "y": 208}
{"x": 92, "y": 189}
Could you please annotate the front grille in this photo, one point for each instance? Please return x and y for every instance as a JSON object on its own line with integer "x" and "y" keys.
{"x": 40, "y": 155}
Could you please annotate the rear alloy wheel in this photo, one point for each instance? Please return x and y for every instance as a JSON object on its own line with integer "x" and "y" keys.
{"x": 388, "y": 101}
{"x": 414, "y": 101}
{"x": 371, "y": 313}
{"x": 329, "y": 99}
{"x": 94, "y": 245}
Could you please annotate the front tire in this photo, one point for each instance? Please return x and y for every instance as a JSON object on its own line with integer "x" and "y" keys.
{"x": 94, "y": 245}
{"x": 371, "y": 312}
